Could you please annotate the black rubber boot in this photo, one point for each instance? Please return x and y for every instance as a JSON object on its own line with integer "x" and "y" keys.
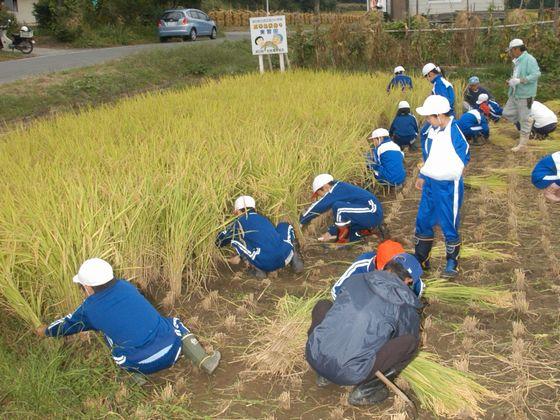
{"x": 422, "y": 251}
{"x": 322, "y": 382}
{"x": 257, "y": 272}
{"x": 297, "y": 260}
{"x": 452, "y": 255}
{"x": 371, "y": 392}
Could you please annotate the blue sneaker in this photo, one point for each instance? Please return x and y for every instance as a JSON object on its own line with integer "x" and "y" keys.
{"x": 451, "y": 269}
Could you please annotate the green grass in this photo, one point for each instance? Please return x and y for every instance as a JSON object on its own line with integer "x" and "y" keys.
{"x": 49, "y": 378}
{"x": 103, "y": 83}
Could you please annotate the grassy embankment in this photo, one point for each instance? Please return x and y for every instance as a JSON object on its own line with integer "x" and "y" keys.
{"x": 146, "y": 71}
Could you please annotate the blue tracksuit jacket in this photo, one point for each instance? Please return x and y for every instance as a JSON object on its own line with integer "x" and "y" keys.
{"x": 424, "y": 132}
{"x": 140, "y": 338}
{"x": 350, "y": 205}
{"x": 491, "y": 109}
{"x": 547, "y": 171}
{"x": 387, "y": 162}
{"x": 473, "y": 123}
{"x": 446, "y": 154}
{"x": 443, "y": 88}
{"x": 372, "y": 309}
{"x": 404, "y": 129}
{"x": 363, "y": 264}
{"x": 400, "y": 80}
{"x": 258, "y": 241}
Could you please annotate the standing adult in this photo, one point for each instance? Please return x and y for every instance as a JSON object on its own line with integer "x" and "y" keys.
{"x": 442, "y": 86}
{"x": 522, "y": 90}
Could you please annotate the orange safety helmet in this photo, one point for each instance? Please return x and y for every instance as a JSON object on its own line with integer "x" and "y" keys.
{"x": 386, "y": 251}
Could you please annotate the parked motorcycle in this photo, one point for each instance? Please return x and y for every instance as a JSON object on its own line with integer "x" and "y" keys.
{"x": 23, "y": 41}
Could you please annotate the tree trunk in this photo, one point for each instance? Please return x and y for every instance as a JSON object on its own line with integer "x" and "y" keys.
{"x": 317, "y": 7}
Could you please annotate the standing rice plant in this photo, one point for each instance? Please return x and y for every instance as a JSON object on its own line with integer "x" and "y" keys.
{"x": 147, "y": 183}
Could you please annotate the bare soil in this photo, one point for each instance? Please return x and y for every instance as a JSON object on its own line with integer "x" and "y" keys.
{"x": 522, "y": 368}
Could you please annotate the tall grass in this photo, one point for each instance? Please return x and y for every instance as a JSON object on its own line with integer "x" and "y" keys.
{"x": 148, "y": 182}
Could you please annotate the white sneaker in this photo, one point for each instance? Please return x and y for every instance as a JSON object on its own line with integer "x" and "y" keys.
{"x": 518, "y": 148}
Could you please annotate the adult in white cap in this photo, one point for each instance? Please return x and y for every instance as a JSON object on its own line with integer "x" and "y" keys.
{"x": 356, "y": 212}
{"x": 263, "y": 246}
{"x": 489, "y": 107}
{"x": 441, "y": 180}
{"x": 400, "y": 80}
{"x": 141, "y": 340}
{"x": 472, "y": 92}
{"x": 385, "y": 159}
{"x": 404, "y": 128}
{"x": 522, "y": 90}
{"x": 441, "y": 86}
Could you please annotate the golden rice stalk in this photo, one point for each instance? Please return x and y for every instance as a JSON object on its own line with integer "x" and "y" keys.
{"x": 278, "y": 348}
{"x": 481, "y": 250}
{"x": 491, "y": 182}
{"x": 454, "y": 293}
{"x": 443, "y": 390}
{"x": 10, "y": 288}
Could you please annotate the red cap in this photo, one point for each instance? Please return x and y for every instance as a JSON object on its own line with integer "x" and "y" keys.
{"x": 386, "y": 251}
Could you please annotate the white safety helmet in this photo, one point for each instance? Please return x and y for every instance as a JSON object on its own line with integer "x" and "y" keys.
{"x": 434, "y": 105}
{"x": 244, "y": 202}
{"x": 403, "y": 104}
{"x": 379, "y": 133}
{"x": 428, "y": 68}
{"x": 320, "y": 181}
{"x": 94, "y": 272}
{"x": 483, "y": 97}
{"x": 398, "y": 69}
{"x": 25, "y": 29}
{"x": 515, "y": 43}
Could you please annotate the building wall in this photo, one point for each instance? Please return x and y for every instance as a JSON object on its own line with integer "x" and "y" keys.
{"x": 434, "y": 7}
{"x": 24, "y": 12}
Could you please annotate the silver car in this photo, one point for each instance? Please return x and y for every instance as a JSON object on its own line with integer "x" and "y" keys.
{"x": 187, "y": 24}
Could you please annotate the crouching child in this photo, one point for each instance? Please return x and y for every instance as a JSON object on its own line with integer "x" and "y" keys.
{"x": 385, "y": 159}
{"x": 356, "y": 212}
{"x": 258, "y": 242}
{"x": 373, "y": 325}
{"x": 140, "y": 339}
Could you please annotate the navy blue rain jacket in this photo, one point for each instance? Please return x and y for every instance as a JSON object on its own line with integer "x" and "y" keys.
{"x": 371, "y": 309}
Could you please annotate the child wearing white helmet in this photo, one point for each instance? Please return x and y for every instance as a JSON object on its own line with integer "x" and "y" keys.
{"x": 256, "y": 240}
{"x": 141, "y": 340}
{"x": 356, "y": 212}
{"x": 441, "y": 181}
{"x": 404, "y": 128}
{"x": 489, "y": 107}
{"x": 399, "y": 80}
{"x": 385, "y": 159}
{"x": 441, "y": 86}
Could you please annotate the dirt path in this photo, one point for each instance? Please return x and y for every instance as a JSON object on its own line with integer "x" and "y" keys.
{"x": 515, "y": 350}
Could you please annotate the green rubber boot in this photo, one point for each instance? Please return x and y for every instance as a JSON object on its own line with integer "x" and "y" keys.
{"x": 198, "y": 356}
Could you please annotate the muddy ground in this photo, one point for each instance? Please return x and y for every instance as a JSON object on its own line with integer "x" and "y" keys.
{"x": 515, "y": 350}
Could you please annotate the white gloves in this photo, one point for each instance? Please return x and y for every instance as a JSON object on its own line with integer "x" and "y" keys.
{"x": 514, "y": 81}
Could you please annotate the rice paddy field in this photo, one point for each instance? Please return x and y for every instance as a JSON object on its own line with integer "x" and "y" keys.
{"x": 148, "y": 182}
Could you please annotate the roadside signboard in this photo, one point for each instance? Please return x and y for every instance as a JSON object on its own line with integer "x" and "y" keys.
{"x": 269, "y": 35}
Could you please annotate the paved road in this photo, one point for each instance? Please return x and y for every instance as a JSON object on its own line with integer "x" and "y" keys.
{"x": 46, "y": 60}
